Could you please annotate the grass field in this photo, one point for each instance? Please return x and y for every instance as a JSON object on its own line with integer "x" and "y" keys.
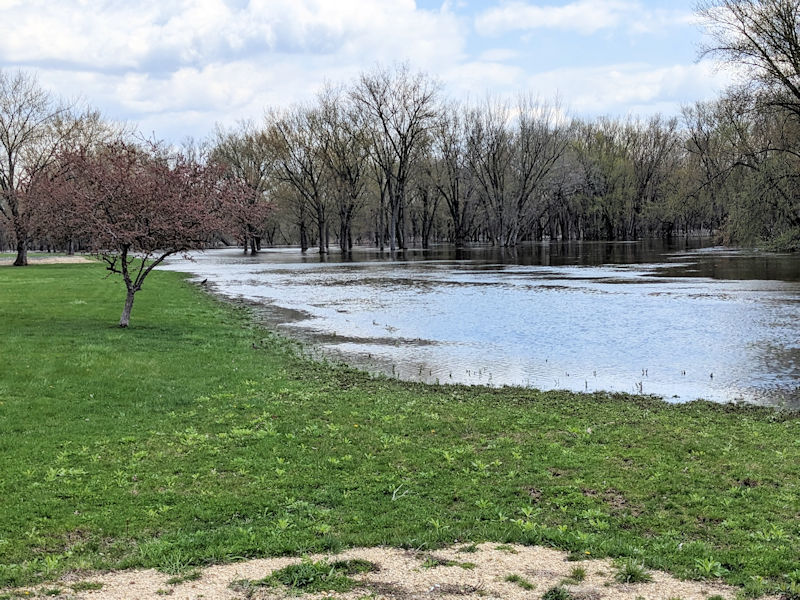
{"x": 197, "y": 437}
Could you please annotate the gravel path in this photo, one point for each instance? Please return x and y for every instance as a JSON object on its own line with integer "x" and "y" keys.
{"x": 479, "y": 572}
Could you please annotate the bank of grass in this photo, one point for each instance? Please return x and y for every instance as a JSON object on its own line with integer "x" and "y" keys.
{"x": 197, "y": 437}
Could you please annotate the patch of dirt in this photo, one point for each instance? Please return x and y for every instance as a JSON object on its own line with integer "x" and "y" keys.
{"x": 401, "y": 576}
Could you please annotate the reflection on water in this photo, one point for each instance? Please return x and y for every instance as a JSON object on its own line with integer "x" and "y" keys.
{"x": 679, "y": 322}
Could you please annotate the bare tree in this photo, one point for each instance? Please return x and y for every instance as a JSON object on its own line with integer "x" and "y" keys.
{"x": 399, "y": 108}
{"x": 490, "y": 152}
{"x": 247, "y": 157}
{"x": 345, "y": 147}
{"x": 298, "y": 139}
{"x": 450, "y": 170}
{"x": 763, "y": 37}
{"x": 35, "y": 129}
{"x": 540, "y": 140}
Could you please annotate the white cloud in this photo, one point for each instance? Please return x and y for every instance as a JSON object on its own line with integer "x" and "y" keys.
{"x": 176, "y": 67}
{"x": 584, "y": 16}
{"x": 631, "y": 88}
{"x": 166, "y": 63}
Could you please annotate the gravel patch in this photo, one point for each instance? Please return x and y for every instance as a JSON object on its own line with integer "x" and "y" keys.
{"x": 446, "y": 574}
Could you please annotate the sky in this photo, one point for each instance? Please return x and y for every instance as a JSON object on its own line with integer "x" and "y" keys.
{"x": 176, "y": 68}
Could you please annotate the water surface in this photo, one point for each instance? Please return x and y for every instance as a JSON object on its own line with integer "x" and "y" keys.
{"x": 681, "y": 322}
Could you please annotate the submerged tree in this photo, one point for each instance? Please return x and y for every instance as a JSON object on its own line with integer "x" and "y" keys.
{"x": 247, "y": 158}
{"x": 398, "y": 109}
{"x": 137, "y": 206}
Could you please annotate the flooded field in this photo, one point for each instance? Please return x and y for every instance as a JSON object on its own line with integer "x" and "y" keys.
{"x": 681, "y": 322}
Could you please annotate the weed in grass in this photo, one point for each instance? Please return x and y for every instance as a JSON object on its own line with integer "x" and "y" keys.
{"x": 190, "y": 576}
{"x": 754, "y": 588}
{"x": 86, "y": 586}
{"x": 520, "y": 581}
{"x": 557, "y": 593}
{"x": 791, "y": 591}
{"x": 709, "y": 568}
{"x": 631, "y": 571}
{"x": 354, "y": 566}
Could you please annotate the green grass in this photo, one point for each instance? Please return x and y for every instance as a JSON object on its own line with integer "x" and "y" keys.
{"x": 557, "y": 593}
{"x": 520, "y": 581}
{"x": 309, "y": 576}
{"x": 631, "y": 571}
{"x": 195, "y": 437}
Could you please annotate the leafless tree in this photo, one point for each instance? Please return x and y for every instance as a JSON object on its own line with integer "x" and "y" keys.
{"x": 248, "y": 157}
{"x": 761, "y": 36}
{"x": 450, "y": 170}
{"x": 346, "y": 152}
{"x": 36, "y": 128}
{"x": 400, "y": 108}
{"x": 298, "y": 135}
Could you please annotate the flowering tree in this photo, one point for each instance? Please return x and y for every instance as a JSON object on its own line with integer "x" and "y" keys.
{"x": 135, "y": 206}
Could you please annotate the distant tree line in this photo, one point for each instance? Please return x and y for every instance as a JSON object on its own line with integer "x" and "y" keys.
{"x": 388, "y": 160}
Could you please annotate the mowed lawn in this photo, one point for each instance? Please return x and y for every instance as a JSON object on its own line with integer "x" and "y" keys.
{"x": 195, "y": 437}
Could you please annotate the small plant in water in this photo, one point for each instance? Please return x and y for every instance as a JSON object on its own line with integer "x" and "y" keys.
{"x": 631, "y": 571}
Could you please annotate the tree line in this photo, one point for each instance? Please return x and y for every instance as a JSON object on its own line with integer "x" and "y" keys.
{"x": 388, "y": 160}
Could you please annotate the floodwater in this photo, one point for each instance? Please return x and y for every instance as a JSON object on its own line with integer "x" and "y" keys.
{"x": 682, "y": 322}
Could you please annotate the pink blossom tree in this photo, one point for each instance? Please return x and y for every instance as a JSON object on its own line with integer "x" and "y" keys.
{"x": 135, "y": 206}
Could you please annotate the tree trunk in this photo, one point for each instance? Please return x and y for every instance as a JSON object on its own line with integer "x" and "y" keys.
{"x": 22, "y": 254}
{"x": 321, "y": 230}
{"x": 126, "y": 312}
{"x": 303, "y": 236}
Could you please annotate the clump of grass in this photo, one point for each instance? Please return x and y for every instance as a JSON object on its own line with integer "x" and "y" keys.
{"x": 86, "y": 586}
{"x": 577, "y": 574}
{"x": 520, "y": 581}
{"x": 432, "y": 562}
{"x": 469, "y": 549}
{"x": 631, "y": 571}
{"x": 506, "y": 548}
{"x": 791, "y": 591}
{"x": 754, "y": 588}
{"x": 716, "y": 597}
{"x": 308, "y": 576}
{"x": 557, "y": 593}
{"x": 193, "y": 575}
